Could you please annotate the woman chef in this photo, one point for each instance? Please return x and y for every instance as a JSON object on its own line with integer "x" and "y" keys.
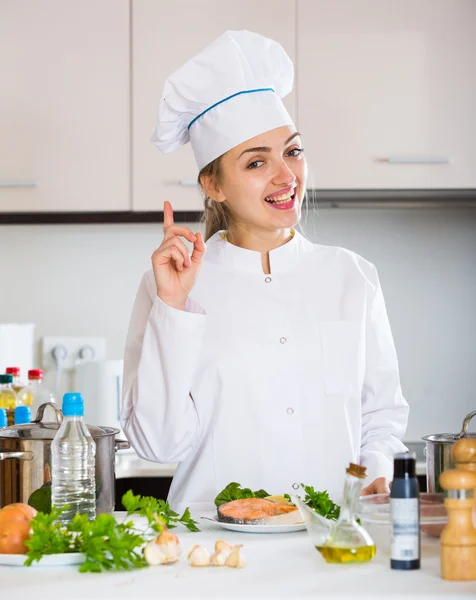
{"x": 266, "y": 360}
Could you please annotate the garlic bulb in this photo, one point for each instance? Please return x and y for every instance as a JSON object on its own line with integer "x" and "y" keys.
{"x": 164, "y": 550}
{"x": 199, "y": 557}
{"x": 222, "y": 545}
{"x": 236, "y": 558}
{"x": 219, "y": 558}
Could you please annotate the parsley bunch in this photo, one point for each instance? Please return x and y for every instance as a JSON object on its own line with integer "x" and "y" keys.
{"x": 320, "y": 502}
{"x": 105, "y": 543}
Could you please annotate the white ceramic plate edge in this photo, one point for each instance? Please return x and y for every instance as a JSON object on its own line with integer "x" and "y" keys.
{"x": 243, "y": 528}
{"x": 49, "y": 560}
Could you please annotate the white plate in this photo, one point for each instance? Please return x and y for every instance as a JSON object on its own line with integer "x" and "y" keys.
{"x": 49, "y": 560}
{"x": 263, "y": 528}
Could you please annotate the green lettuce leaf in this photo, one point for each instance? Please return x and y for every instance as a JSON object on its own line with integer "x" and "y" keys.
{"x": 234, "y": 491}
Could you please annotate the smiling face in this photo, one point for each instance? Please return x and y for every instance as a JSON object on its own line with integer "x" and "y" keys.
{"x": 262, "y": 182}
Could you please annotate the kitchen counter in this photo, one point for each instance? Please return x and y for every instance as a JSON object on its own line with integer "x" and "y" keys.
{"x": 279, "y": 566}
{"x": 128, "y": 464}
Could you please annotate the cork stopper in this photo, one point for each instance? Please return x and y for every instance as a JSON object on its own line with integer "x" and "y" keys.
{"x": 458, "y": 479}
{"x": 464, "y": 453}
{"x": 356, "y": 470}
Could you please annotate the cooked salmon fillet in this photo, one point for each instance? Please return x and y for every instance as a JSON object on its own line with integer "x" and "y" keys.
{"x": 251, "y": 510}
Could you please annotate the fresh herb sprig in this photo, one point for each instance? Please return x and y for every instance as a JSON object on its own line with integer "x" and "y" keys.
{"x": 106, "y": 544}
{"x": 147, "y": 506}
{"x": 321, "y": 502}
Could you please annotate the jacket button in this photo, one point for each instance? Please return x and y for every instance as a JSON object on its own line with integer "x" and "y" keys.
{"x": 290, "y": 411}
{"x": 295, "y": 486}
{"x": 283, "y": 340}
{"x": 268, "y": 280}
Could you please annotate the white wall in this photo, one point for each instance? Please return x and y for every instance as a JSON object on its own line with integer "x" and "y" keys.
{"x": 82, "y": 279}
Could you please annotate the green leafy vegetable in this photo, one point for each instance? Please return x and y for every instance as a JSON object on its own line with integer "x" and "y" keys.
{"x": 321, "y": 502}
{"x": 105, "y": 543}
{"x": 147, "y": 506}
{"x": 234, "y": 491}
{"x": 48, "y": 537}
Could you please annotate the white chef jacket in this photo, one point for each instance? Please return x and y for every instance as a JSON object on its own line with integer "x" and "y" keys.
{"x": 266, "y": 380}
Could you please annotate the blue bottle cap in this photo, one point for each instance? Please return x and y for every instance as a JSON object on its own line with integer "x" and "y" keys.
{"x": 3, "y": 418}
{"x": 22, "y": 415}
{"x": 73, "y": 405}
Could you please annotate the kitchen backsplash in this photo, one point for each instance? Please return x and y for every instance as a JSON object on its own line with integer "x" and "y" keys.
{"x": 81, "y": 280}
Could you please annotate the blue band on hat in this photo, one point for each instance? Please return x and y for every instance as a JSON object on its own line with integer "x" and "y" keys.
{"x": 229, "y": 98}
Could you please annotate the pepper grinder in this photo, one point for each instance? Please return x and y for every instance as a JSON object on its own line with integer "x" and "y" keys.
{"x": 464, "y": 454}
{"x": 458, "y": 538}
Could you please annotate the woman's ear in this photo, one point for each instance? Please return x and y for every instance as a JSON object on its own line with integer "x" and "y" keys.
{"x": 212, "y": 189}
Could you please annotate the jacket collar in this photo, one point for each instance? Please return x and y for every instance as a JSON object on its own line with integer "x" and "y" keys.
{"x": 281, "y": 259}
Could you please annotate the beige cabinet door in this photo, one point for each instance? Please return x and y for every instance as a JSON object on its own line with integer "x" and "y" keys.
{"x": 387, "y": 93}
{"x": 64, "y": 105}
{"x": 165, "y": 35}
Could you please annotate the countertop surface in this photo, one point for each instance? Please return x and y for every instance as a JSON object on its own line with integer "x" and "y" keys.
{"x": 278, "y": 566}
{"x": 128, "y": 464}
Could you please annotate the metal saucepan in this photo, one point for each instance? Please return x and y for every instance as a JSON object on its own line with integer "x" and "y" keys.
{"x": 25, "y": 459}
{"x": 439, "y": 455}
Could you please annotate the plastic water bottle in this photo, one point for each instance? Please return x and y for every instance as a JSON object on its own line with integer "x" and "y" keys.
{"x": 3, "y": 418}
{"x": 22, "y": 415}
{"x": 73, "y": 459}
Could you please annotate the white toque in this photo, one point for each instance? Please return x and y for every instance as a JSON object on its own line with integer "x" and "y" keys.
{"x": 227, "y": 94}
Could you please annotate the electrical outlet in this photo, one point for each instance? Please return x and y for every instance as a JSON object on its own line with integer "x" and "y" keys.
{"x": 76, "y": 349}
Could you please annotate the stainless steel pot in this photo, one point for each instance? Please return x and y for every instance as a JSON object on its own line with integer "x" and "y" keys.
{"x": 439, "y": 455}
{"x": 25, "y": 459}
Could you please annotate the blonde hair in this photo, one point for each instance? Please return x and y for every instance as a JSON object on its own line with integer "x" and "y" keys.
{"x": 216, "y": 215}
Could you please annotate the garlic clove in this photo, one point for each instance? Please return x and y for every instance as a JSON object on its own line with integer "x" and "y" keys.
{"x": 169, "y": 545}
{"x": 199, "y": 557}
{"x": 236, "y": 559}
{"x": 222, "y": 545}
{"x": 153, "y": 554}
{"x": 219, "y": 558}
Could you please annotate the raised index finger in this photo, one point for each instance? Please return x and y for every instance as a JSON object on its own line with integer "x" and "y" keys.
{"x": 168, "y": 215}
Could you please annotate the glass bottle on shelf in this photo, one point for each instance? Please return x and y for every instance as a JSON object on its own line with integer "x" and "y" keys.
{"x": 35, "y": 393}
{"x": 17, "y": 384}
{"x": 8, "y": 398}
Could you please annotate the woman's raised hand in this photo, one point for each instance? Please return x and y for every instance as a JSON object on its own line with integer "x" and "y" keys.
{"x": 175, "y": 271}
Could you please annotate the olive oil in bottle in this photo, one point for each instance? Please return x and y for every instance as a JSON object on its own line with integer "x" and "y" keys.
{"x": 347, "y": 555}
{"x": 349, "y": 542}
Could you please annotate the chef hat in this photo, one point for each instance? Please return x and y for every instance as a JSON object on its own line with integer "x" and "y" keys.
{"x": 227, "y": 94}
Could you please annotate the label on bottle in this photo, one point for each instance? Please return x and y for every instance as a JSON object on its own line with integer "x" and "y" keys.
{"x": 405, "y": 528}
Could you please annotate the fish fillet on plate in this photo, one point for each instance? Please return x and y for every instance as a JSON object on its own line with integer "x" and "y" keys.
{"x": 259, "y": 511}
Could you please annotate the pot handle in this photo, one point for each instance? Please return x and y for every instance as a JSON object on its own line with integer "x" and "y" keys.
{"x": 41, "y": 410}
{"x": 466, "y": 421}
{"x": 121, "y": 445}
{"x": 21, "y": 455}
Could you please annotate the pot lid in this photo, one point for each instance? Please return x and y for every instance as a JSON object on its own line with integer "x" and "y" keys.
{"x": 40, "y": 430}
{"x": 447, "y": 438}
{"x": 450, "y": 438}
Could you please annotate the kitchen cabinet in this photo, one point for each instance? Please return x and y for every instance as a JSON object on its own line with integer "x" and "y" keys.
{"x": 165, "y": 35}
{"x": 387, "y": 93}
{"x": 64, "y": 106}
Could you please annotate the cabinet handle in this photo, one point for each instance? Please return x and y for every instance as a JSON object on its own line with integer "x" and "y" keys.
{"x": 188, "y": 182}
{"x": 7, "y": 183}
{"x": 415, "y": 160}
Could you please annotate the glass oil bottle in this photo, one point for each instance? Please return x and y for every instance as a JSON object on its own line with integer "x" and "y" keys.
{"x": 349, "y": 542}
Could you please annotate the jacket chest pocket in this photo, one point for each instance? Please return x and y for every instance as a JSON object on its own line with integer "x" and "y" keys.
{"x": 343, "y": 356}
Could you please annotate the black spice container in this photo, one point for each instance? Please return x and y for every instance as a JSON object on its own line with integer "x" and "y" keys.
{"x": 405, "y": 513}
